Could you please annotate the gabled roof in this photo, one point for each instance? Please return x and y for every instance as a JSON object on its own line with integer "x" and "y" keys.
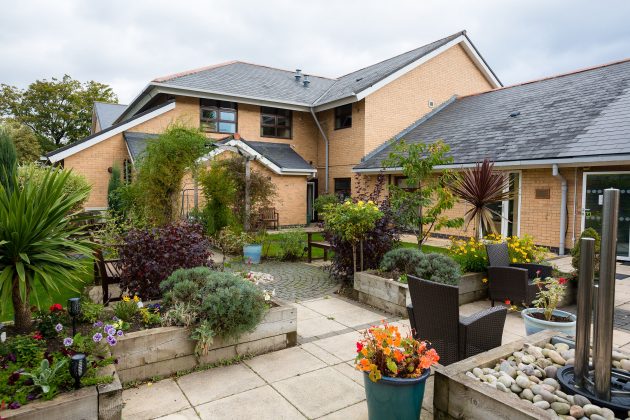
{"x": 582, "y": 116}
{"x": 137, "y": 143}
{"x": 107, "y": 113}
{"x": 71, "y": 149}
{"x": 262, "y": 85}
{"x": 279, "y": 157}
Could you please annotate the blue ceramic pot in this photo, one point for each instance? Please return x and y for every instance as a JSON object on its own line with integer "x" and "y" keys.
{"x": 252, "y": 253}
{"x": 395, "y": 398}
{"x": 534, "y": 325}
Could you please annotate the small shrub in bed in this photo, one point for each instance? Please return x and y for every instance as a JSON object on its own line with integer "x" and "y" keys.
{"x": 148, "y": 256}
{"x": 292, "y": 246}
{"x": 440, "y": 269}
{"x": 434, "y": 267}
{"x": 224, "y": 304}
{"x": 403, "y": 260}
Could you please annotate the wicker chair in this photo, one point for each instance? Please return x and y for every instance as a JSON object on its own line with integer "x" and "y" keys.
{"x": 512, "y": 282}
{"x": 434, "y": 316}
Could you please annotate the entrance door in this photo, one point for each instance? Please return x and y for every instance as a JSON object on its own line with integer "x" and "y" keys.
{"x": 310, "y": 201}
{"x": 592, "y": 203}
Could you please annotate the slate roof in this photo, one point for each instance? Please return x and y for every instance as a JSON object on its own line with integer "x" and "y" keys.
{"x": 236, "y": 78}
{"x": 281, "y": 154}
{"x": 107, "y": 113}
{"x": 580, "y": 114}
{"x": 137, "y": 142}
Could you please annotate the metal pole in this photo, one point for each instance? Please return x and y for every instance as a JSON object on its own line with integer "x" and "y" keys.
{"x": 606, "y": 295}
{"x": 584, "y": 310}
{"x": 247, "y": 194}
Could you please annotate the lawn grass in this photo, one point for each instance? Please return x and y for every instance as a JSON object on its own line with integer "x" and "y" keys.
{"x": 273, "y": 245}
{"x": 427, "y": 249}
{"x": 60, "y": 296}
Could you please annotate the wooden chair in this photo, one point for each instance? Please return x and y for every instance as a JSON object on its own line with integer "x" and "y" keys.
{"x": 106, "y": 273}
{"x": 325, "y": 245}
{"x": 270, "y": 216}
{"x": 513, "y": 282}
{"x": 434, "y": 316}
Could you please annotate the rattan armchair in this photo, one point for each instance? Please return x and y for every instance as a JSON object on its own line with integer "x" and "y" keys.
{"x": 434, "y": 316}
{"x": 513, "y": 282}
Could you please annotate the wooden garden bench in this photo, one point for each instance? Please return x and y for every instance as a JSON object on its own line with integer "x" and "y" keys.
{"x": 106, "y": 272}
{"x": 325, "y": 245}
{"x": 270, "y": 217}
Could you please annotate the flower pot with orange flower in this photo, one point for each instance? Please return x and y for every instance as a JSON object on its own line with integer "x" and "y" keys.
{"x": 544, "y": 315}
{"x": 395, "y": 372}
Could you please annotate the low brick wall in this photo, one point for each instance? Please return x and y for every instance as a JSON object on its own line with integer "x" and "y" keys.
{"x": 456, "y": 396}
{"x": 167, "y": 350}
{"x": 102, "y": 402}
{"x": 393, "y": 297}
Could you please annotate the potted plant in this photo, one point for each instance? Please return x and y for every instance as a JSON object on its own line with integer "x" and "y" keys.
{"x": 395, "y": 372}
{"x": 544, "y": 315}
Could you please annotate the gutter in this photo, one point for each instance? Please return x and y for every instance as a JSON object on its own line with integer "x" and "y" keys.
{"x": 321, "y": 130}
{"x": 563, "y": 208}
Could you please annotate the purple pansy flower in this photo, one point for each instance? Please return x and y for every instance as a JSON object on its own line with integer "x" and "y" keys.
{"x": 97, "y": 337}
{"x": 68, "y": 341}
{"x": 106, "y": 328}
{"x": 111, "y": 340}
{"x": 98, "y": 324}
{"x": 119, "y": 333}
{"x": 14, "y": 405}
{"x": 114, "y": 318}
{"x": 111, "y": 331}
{"x": 58, "y": 327}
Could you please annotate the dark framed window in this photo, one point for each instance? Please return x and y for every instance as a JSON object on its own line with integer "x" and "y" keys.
{"x": 275, "y": 122}
{"x": 218, "y": 116}
{"x": 343, "y": 117}
{"x": 343, "y": 188}
{"x": 403, "y": 183}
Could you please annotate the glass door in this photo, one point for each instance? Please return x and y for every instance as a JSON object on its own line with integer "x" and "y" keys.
{"x": 593, "y": 198}
{"x": 505, "y": 214}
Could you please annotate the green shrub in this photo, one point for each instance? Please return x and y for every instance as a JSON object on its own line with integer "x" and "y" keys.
{"x": 322, "y": 201}
{"x": 575, "y": 252}
{"x": 224, "y": 303}
{"x": 403, "y": 260}
{"x": 114, "y": 201}
{"x": 125, "y": 310}
{"x": 90, "y": 311}
{"x": 292, "y": 246}
{"x": 219, "y": 190}
{"x": 439, "y": 268}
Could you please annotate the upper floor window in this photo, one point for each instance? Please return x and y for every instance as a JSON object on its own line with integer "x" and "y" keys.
{"x": 275, "y": 122}
{"x": 218, "y": 116}
{"x": 343, "y": 116}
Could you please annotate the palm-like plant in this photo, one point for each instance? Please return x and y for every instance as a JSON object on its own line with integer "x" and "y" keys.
{"x": 36, "y": 244}
{"x": 480, "y": 187}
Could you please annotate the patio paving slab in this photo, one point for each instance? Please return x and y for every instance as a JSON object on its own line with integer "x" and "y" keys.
{"x": 283, "y": 364}
{"x": 347, "y": 369}
{"x": 321, "y": 354}
{"x": 187, "y": 414}
{"x": 258, "y": 403}
{"x": 320, "y": 392}
{"x": 220, "y": 382}
{"x": 355, "y": 412}
{"x": 330, "y": 306}
{"x": 341, "y": 346}
{"x": 152, "y": 401}
{"x": 357, "y": 317}
{"x": 318, "y": 327}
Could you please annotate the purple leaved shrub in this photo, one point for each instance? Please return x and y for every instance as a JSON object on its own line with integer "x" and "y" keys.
{"x": 149, "y": 256}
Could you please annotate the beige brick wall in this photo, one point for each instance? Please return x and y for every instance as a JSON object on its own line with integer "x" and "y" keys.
{"x": 93, "y": 163}
{"x": 394, "y": 107}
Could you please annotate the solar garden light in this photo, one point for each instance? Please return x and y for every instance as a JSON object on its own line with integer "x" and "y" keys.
{"x": 74, "y": 309}
{"x": 78, "y": 366}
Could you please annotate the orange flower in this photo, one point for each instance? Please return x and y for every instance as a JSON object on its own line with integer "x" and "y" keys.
{"x": 398, "y": 355}
{"x": 387, "y": 351}
{"x": 364, "y": 351}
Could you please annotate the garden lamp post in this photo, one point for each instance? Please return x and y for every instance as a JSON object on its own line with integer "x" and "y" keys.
{"x": 74, "y": 309}
{"x": 78, "y": 366}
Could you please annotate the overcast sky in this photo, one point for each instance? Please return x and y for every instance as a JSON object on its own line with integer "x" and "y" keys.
{"x": 128, "y": 43}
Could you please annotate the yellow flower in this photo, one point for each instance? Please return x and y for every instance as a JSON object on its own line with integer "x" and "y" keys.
{"x": 126, "y": 298}
{"x": 484, "y": 280}
{"x": 136, "y": 298}
{"x": 513, "y": 260}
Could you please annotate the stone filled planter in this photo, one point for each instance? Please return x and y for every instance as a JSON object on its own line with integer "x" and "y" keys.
{"x": 393, "y": 296}
{"x": 166, "y": 350}
{"x": 535, "y": 325}
{"x": 102, "y": 402}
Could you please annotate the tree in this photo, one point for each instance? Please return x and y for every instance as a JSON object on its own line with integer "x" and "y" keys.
{"x": 113, "y": 190}
{"x": 219, "y": 190}
{"x": 58, "y": 111}
{"x": 8, "y": 160}
{"x": 26, "y": 144}
{"x": 421, "y": 203}
{"x": 37, "y": 246}
{"x": 480, "y": 187}
{"x": 161, "y": 171}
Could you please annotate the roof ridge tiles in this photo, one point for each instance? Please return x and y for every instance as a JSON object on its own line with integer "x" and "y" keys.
{"x": 192, "y": 71}
{"x": 554, "y": 76}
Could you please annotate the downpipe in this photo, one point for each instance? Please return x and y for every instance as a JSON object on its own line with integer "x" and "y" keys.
{"x": 563, "y": 208}
{"x": 321, "y": 130}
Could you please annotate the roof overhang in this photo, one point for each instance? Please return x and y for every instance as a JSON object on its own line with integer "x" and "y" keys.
{"x": 603, "y": 160}
{"x": 54, "y": 157}
{"x": 240, "y": 147}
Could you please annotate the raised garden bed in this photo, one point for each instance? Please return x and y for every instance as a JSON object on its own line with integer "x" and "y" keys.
{"x": 393, "y": 296}
{"x": 103, "y": 402}
{"x": 166, "y": 350}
